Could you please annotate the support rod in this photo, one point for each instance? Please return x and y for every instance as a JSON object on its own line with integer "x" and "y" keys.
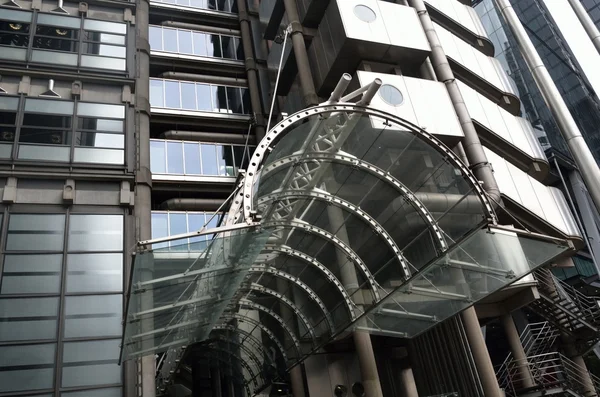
{"x": 579, "y": 149}
{"x": 586, "y": 22}
{"x": 251, "y": 70}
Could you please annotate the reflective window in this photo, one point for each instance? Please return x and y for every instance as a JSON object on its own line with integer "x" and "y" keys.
{"x": 91, "y": 363}
{"x": 93, "y": 316}
{"x": 95, "y": 232}
{"x": 31, "y": 274}
{"x": 169, "y": 223}
{"x": 29, "y": 367}
{"x": 195, "y": 158}
{"x": 364, "y": 13}
{"x": 225, "y": 6}
{"x": 391, "y": 95}
{"x": 39, "y": 232}
{"x": 199, "y": 96}
{"x": 28, "y": 319}
{"x": 8, "y": 121}
{"x": 94, "y": 272}
{"x": 58, "y": 39}
{"x": 190, "y": 42}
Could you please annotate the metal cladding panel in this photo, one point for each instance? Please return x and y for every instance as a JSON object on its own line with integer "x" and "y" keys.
{"x": 546, "y": 202}
{"x": 514, "y": 130}
{"x": 460, "y": 13}
{"x": 362, "y": 29}
{"x": 403, "y": 26}
{"x": 425, "y": 103}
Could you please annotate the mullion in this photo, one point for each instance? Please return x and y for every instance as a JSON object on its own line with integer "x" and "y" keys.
{"x": 61, "y": 308}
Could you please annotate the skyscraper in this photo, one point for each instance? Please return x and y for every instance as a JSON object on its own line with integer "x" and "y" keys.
{"x": 307, "y": 197}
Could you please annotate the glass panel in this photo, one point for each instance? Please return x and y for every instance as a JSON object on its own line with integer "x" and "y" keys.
{"x": 110, "y": 392}
{"x": 155, "y": 38}
{"x": 50, "y": 153}
{"x": 221, "y": 159}
{"x": 185, "y": 41}
{"x": 99, "y": 156}
{"x": 95, "y": 232}
{"x": 188, "y": 96}
{"x": 59, "y": 20}
{"x": 103, "y": 26}
{"x": 157, "y": 93}
{"x": 39, "y": 232}
{"x": 160, "y": 227}
{"x": 5, "y": 150}
{"x": 95, "y": 139}
{"x": 175, "y": 158}
{"x": 158, "y": 158}
{"x": 234, "y": 100}
{"x": 196, "y": 221}
{"x": 54, "y": 57}
{"x": 209, "y": 160}
{"x": 28, "y": 319}
{"x": 177, "y": 223}
{"x": 51, "y": 106}
{"x": 200, "y": 44}
{"x": 90, "y": 61}
{"x": 199, "y": 3}
{"x": 170, "y": 39}
{"x": 172, "y": 94}
{"x": 192, "y": 158}
{"x": 14, "y": 15}
{"x": 15, "y": 54}
{"x": 93, "y": 315}
{"x": 94, "y": 273}
{"x": 84, "y": 123}
{"x": 214, "y": 45}
{"x": 100, "y": 110}
{"x": 9, "y": 103}
{"x": 219, "y": 98}
{"x": 31, "y": 274}
{"x": 203, "y": 96}
{"x": 28, "y": 367}
{"x": 229, "y": 49}
{"x": 105, "y": 50}
{"x": 91, "y": 363}
{"x": 104, "y": 38}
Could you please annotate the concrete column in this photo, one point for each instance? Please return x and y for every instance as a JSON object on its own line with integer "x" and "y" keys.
{"x": 583, "y": 375}
{"x": 143, "y": 176}
{"x": 362, "y": 340}
{"x": 297, "y": 381}
{"x": 307, "y": 83}
{"x": 215, "y": 382}
{"x": 407, "y": 379}
{"x": 251, "y": 70}
{"x": 518, "y": 353}
{"x": 481, "y": 356}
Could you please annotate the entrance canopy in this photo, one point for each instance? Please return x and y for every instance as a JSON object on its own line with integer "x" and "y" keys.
{"x": 348, "y": 219}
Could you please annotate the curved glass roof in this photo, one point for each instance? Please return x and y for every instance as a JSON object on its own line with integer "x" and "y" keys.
{"x": 356, "y": 220}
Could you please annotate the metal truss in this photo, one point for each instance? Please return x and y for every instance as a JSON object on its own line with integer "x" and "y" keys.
{"x": 318, "y": 194}
{"x": 285, "y": 250}
{"x": 214, "y": 356}
{"x": 350, "y": 254}
{"x": 246, "y": 337}
{"x": 323, "y": 111}
{"x": 234, "y": 355}
{"x": 251, "y": 355}
{"x": 267, "y": 331}
{"x": 263, "y": 268}
{"x": 283, "y": 299}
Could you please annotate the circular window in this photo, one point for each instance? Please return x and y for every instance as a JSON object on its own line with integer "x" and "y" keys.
{"x": 391, "y": 95}
{"x": 364, "y": 13}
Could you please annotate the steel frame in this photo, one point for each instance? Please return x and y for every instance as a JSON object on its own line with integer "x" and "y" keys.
{"x": 247, "y": 336}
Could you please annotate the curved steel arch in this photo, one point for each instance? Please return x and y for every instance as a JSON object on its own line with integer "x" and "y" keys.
{"x": 262, "y": 268}
{"x": 214, "y": 356}
{"x": 337, "y": 242}
{"x": 352, "y": 161}
{"x": 353, "y": 209}
{"x": 274, "y": 134}
{"x": 238, "y": 357}
{"x": 253, "y": 357}
{"x": 247, "y": 336}
{"x": 270, "y": 334}
{"x": 282, "y": 249}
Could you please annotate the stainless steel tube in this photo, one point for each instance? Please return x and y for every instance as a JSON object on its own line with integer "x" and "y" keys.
{"x": 581, "y": 152}
{"x": 586, "y": 22}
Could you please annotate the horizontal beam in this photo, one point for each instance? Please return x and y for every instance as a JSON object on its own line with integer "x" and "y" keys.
{"x": 201, "y": 232}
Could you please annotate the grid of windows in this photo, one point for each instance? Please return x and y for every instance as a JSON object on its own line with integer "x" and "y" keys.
{"x": 184, "y": 41}
{"x": 217, "y": 5}
{"x": 195, "y": 158}
{"x": 169, "y": 223}
{"x": 188, "y": 95}
{"x": 61, "y": 303}
{"x": 61, "y": 130}
{"x": 63, "y": 40}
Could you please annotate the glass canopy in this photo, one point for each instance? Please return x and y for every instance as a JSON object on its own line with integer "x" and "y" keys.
{"x": 367, "y": 223}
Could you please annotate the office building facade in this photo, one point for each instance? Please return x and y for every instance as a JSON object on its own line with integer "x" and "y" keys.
{"x": 130, "y": 121}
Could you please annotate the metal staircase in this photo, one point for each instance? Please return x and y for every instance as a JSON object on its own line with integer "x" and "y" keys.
{"x": 565, "y": 307}
{"x": 550, "y": 372}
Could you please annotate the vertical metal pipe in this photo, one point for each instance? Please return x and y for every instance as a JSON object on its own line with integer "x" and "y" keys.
{"x": 304, "y": 73}
{"x": 518, "y": 353}
{"x": 471, "y": 143}
{"x": 409, "y": 387}
{"x": 143, "y": 176}
{"x": 251, "y": 70}
{"x": 567, "y": 126}
{"x": 480, "y": 353}
{"x": 586, "y": 22}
